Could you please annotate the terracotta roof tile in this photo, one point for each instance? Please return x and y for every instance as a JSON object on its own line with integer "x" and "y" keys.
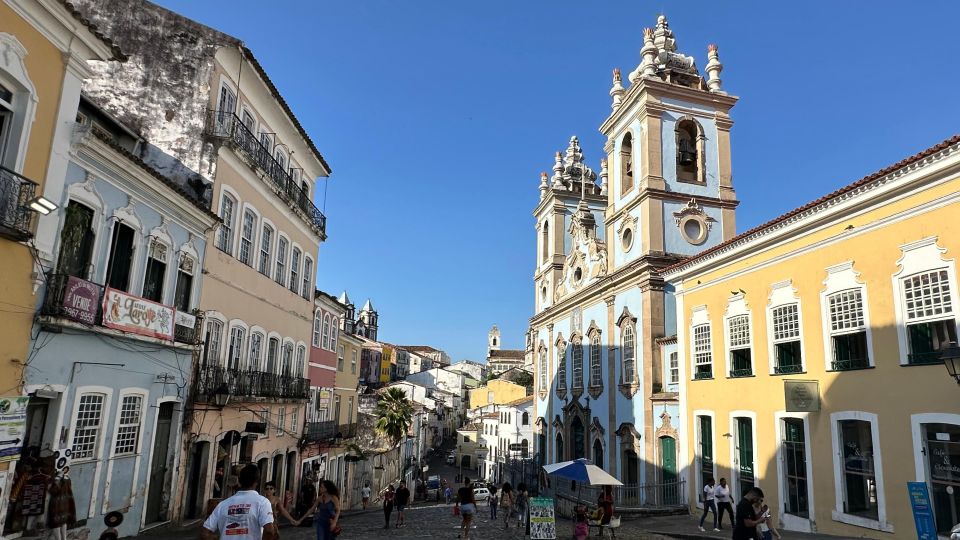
{"x": 117, "y": 53}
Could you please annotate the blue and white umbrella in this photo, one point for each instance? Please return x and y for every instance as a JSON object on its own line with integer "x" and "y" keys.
{"x": 583, "y": 471}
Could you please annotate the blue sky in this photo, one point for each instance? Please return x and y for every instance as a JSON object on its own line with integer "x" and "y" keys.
{"x": 437, "y": 117}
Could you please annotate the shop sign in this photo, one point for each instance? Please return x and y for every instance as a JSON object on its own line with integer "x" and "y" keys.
{"x": 801, "y": 396}
{"x": 323, "y": 399}
{"x": 13, "y": 423}
{"x": 122, "y": 311}
{"x": 922, "y": 512}
{"x": 185, "y": 319}
{"x": 81, "y": 300}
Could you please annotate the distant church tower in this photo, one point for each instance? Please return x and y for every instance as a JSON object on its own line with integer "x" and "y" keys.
{"x": 349, "y": 317}
{"x": 368, "y": 321}
{"x": 493, "y": 339}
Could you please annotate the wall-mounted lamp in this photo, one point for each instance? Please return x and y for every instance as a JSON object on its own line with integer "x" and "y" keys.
{"x": 41, "y": 205}
{"x": 950, "y": 354}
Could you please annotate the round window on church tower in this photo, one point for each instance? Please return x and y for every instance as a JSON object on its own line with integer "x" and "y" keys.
{"x": 543, "y": 293}
{"x": 694, "y": 230}
{"x": 626, "y": 239}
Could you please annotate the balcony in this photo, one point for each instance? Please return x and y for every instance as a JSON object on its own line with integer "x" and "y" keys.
{"x": 320, "y": 431}
{"x": 16, "y": 218}
{"x": 849, "y": 364}
{"x": 228, "y": 127}
{"x": 78, "y": 300}
{"x": 240, "y": 383}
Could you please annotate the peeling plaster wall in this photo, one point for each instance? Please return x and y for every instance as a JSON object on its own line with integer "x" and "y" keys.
{"x": 163, "y": 90}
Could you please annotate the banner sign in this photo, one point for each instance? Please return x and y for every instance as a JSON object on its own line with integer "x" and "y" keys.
{"x": 543, "y": 524}
{"x": 185, "y": 319}
{"x": 13, "y": 427}
{"x": 81, "y": 300}
{"x": 922, "y": 512}
{"x": 122, "y": 311}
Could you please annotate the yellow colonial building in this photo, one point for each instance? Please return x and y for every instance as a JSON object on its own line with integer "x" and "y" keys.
{"x": 496, "y": 392}
{"x": 809, "y": 354}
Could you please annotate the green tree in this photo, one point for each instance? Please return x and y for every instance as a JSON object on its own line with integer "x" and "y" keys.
{"x": 523, "y": 379}
{"x": 394, "y": 415}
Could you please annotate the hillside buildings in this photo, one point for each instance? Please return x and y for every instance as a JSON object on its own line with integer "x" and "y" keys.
{"x": 499, "y": 359}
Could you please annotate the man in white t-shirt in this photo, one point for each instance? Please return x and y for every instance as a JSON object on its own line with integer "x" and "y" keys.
{"x": 365, "y": 495}
{"x": 245, "y": 516}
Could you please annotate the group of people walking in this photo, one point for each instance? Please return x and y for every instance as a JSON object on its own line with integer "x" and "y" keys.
{"x": 751, "y": 521}
{"x": 249, "y": 515}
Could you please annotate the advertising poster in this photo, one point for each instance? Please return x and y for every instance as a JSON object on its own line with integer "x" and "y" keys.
{"x": 543, "y": 523}
{"x": 13, "y": 424}
{"x": 122, "y": 311}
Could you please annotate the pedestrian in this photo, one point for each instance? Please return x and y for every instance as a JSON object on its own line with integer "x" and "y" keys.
{"x": 365, "y": 495}
{"x": 493, "y": 502}
{"x": 269, "y": 491}
{"x": 467, "y": 506}
{"x": 520, "y": 506}
{"x": 605, "y": 504}
{"x": 747, "y": 519}
{"x": 388, "y": 497}
{"x": 766, "y": 528}
{"x": 327, "y": 507}
{"x": 507, "y": 500}
{"x": 246, "y": 515}
{"x": 709, "y": 503}
{"x": 448, "y": 494}
{"x": 402, "y": 499}
{"x": 721, "y": 495}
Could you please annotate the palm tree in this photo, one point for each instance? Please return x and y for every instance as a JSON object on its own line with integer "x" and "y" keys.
{"x": 394, "y": 415}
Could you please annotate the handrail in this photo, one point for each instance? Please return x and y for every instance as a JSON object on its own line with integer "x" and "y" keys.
{"x": 16, "y": 218}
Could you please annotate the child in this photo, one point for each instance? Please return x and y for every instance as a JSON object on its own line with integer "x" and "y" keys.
{"x": 580, "y": 529}
{"x": 767, "y": 531}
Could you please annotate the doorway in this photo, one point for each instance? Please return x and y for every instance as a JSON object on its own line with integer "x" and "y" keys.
{"x": 156, "y": 508}
{"x": 668, "y": 471}
{"x": 943, "y": 451}
{"x": 196, "y": 475}
{"x": 278, "y": 473}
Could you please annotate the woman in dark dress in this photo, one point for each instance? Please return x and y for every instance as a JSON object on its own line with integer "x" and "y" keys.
{"x": 327, "y": 506}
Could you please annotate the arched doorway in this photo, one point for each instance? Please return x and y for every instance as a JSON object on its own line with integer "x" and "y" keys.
{"x": 632, "y": 467}
{"x": 668, "y": 470}
{"x": 598, "y": 453}
{"x": 577, "y": 432}
{"x": 465, "y": 461}
{"x": 559, "y": 448}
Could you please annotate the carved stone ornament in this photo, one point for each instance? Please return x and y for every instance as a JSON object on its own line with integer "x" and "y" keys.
{"x": 666, "y": 428}
{"x": 576, "y": 320}
{"x": 596, "y": 427}
{"x": 694, "y": 224}
{"x": 693, "y": 208}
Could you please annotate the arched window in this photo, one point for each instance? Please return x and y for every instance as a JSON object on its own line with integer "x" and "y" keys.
{"x": 595, "y": 361}
{"x": 578, "y": 432}
{"x": 301, "y": 361}
{"x": 626, "y": 163}
{"x": 295, "y": 270}
{"x": 545, "y": 248}
{"x": 561, "y": 369}
{"x": 325, "y": 340}
{"x": 228, "y": 207}
{"x": 577, "y": 357}
{"x": 598, "y": 453}
{"x": 524, "y": 448}
{"x": 235, "y": 352}
{"x": 256, "y": 351}
{"x": 247, "y": 230}
{"x": 214, "y": 339}
{"x": 316, "y": 329}
{"x": 559, "y": 448}
{"x": 629, "y": 351}
{"x": 287, "y": 366}
{"x": 543, "y": 369}
{"x": 689, "y": 151}
{"x": 333, "y": 334}
{"x": 273, "y": 349}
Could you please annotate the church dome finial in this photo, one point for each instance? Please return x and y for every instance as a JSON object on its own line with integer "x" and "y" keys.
{"x": 558, "y": 170}
{"x": 617, "y": 91}
{"x": 713, "y": 69}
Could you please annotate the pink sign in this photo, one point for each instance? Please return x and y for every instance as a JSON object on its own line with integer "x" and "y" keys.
{"x": 122, "y": 311}
{"x": 81, "y": 300}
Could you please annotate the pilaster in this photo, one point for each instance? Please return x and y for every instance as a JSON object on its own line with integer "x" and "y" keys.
{"x": 611, "y": 390}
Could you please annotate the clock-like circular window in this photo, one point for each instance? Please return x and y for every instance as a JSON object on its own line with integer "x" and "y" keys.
{"x": 694, "y": 230}
{"x": 626, "y": 239}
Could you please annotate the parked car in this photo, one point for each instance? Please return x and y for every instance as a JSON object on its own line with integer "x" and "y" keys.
{"x": 451, "y": 459}
{"x": 481, "y": 494}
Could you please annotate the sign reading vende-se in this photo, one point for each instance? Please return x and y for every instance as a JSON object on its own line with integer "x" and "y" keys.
{"x": 122, "y": 311}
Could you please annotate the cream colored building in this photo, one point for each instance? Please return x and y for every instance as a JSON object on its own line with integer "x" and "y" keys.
{"x": 810, "y": 355}
{"x": 228, "y": 123}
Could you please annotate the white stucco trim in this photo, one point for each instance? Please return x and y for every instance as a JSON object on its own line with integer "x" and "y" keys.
{"x": 699, "y": 316}
{"x": 13, "y": 68}
{"x": 842, "y": 277}
{"x": 735, "y": 456}
{"x": 790, "y": 521}
{"x": 684, "y": 421}
{"x": 697, "y": 470}
{"x": 105, "y": 418}
{"x": 782, "y": 294}
{"x": 272, "y": 254}
{"x": 921, "y": 256}
{"x": 838, "y": 514}
{"x": 737, "y": 306}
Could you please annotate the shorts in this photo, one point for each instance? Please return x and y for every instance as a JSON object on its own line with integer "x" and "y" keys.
{"x": 468, "y": 509}
{"x": 366, "y": 499}
{"x": 400, "y": 507}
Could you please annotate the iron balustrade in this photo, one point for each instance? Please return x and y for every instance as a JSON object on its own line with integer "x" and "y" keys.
{"x": 850, "y": 364}
{"x": 320, "y": 431}
{"x": 244, "y": 383}
{"x": 16, "y": 218}
{"x": 347, "y": 431}
{"x": 228, "y": 126}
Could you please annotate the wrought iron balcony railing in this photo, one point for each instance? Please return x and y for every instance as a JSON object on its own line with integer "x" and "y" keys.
{"x": 320, "y": 431}
{"x": 242, "y": 383}
{"x": 347, "y": 431}
{"x": 79, "y": 300}
{"x": 229, "y": 127}
{"x": 16, "y": 217}
{"x": 849, "y": 364}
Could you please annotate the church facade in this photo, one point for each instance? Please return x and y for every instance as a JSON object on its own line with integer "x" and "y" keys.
{"x": 603, "y": 332}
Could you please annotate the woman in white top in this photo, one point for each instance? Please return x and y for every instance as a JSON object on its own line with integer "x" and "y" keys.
{"x": 722, "y": 495}
{"x": 709, "y": 503}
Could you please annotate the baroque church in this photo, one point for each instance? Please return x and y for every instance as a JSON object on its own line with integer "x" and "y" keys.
{"x": 602, "y": 336}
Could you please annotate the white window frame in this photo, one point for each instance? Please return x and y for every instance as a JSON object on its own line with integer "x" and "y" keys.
{"x": 919, "y": 257}
{"x": 697, "y": 465}
{"x": 226, "y": 237}
{"x": 316, "y": 329}
{"x": 596, "y": 346}
{"x": 216, "y": 360}
{"x": 917, "y": 421}
{"x": 281, "y": 419}
{"x": 255, "y": 362}
{"x": 735, "y": 456}
{"x": 671, "y": 368}
{"x": 699, "y": 317}
{"x": 16, "y": 78}
{"x": 841, "y": 278}
{"x": 286, "y": 367}
{"x": 300, "y": 361}
{"x": 783, "y": 294}
{"x": 576, "y": 363}
{"x": 281, "y": 260}
{"x": 296, "y": 260}
{"x": 325, "y": 335}
{"x": 340, "y": 358}
{"x": 790, "y": 521}
{"x": 561, "y": 372}
{"x": 240, "y": 348}
{"x": 182, "y": 260}
{"x": 267, "y": 270}
{"x": 737, "y": 307}
{"x": 334, "y": 333}
{"x": 105, "y": 415}
{"x": 838, "y": 514}
{"x": 165, "y": 244}
{"x": 251, "y": 241}
{"x": 140, "y": 421}
{"x": 353, "y": 361}
{"x": 309, "y": 273}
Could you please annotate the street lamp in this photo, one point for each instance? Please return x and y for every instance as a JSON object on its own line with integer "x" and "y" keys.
{"x": 221, "y": 396}
{"x": 950, "y": 354}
